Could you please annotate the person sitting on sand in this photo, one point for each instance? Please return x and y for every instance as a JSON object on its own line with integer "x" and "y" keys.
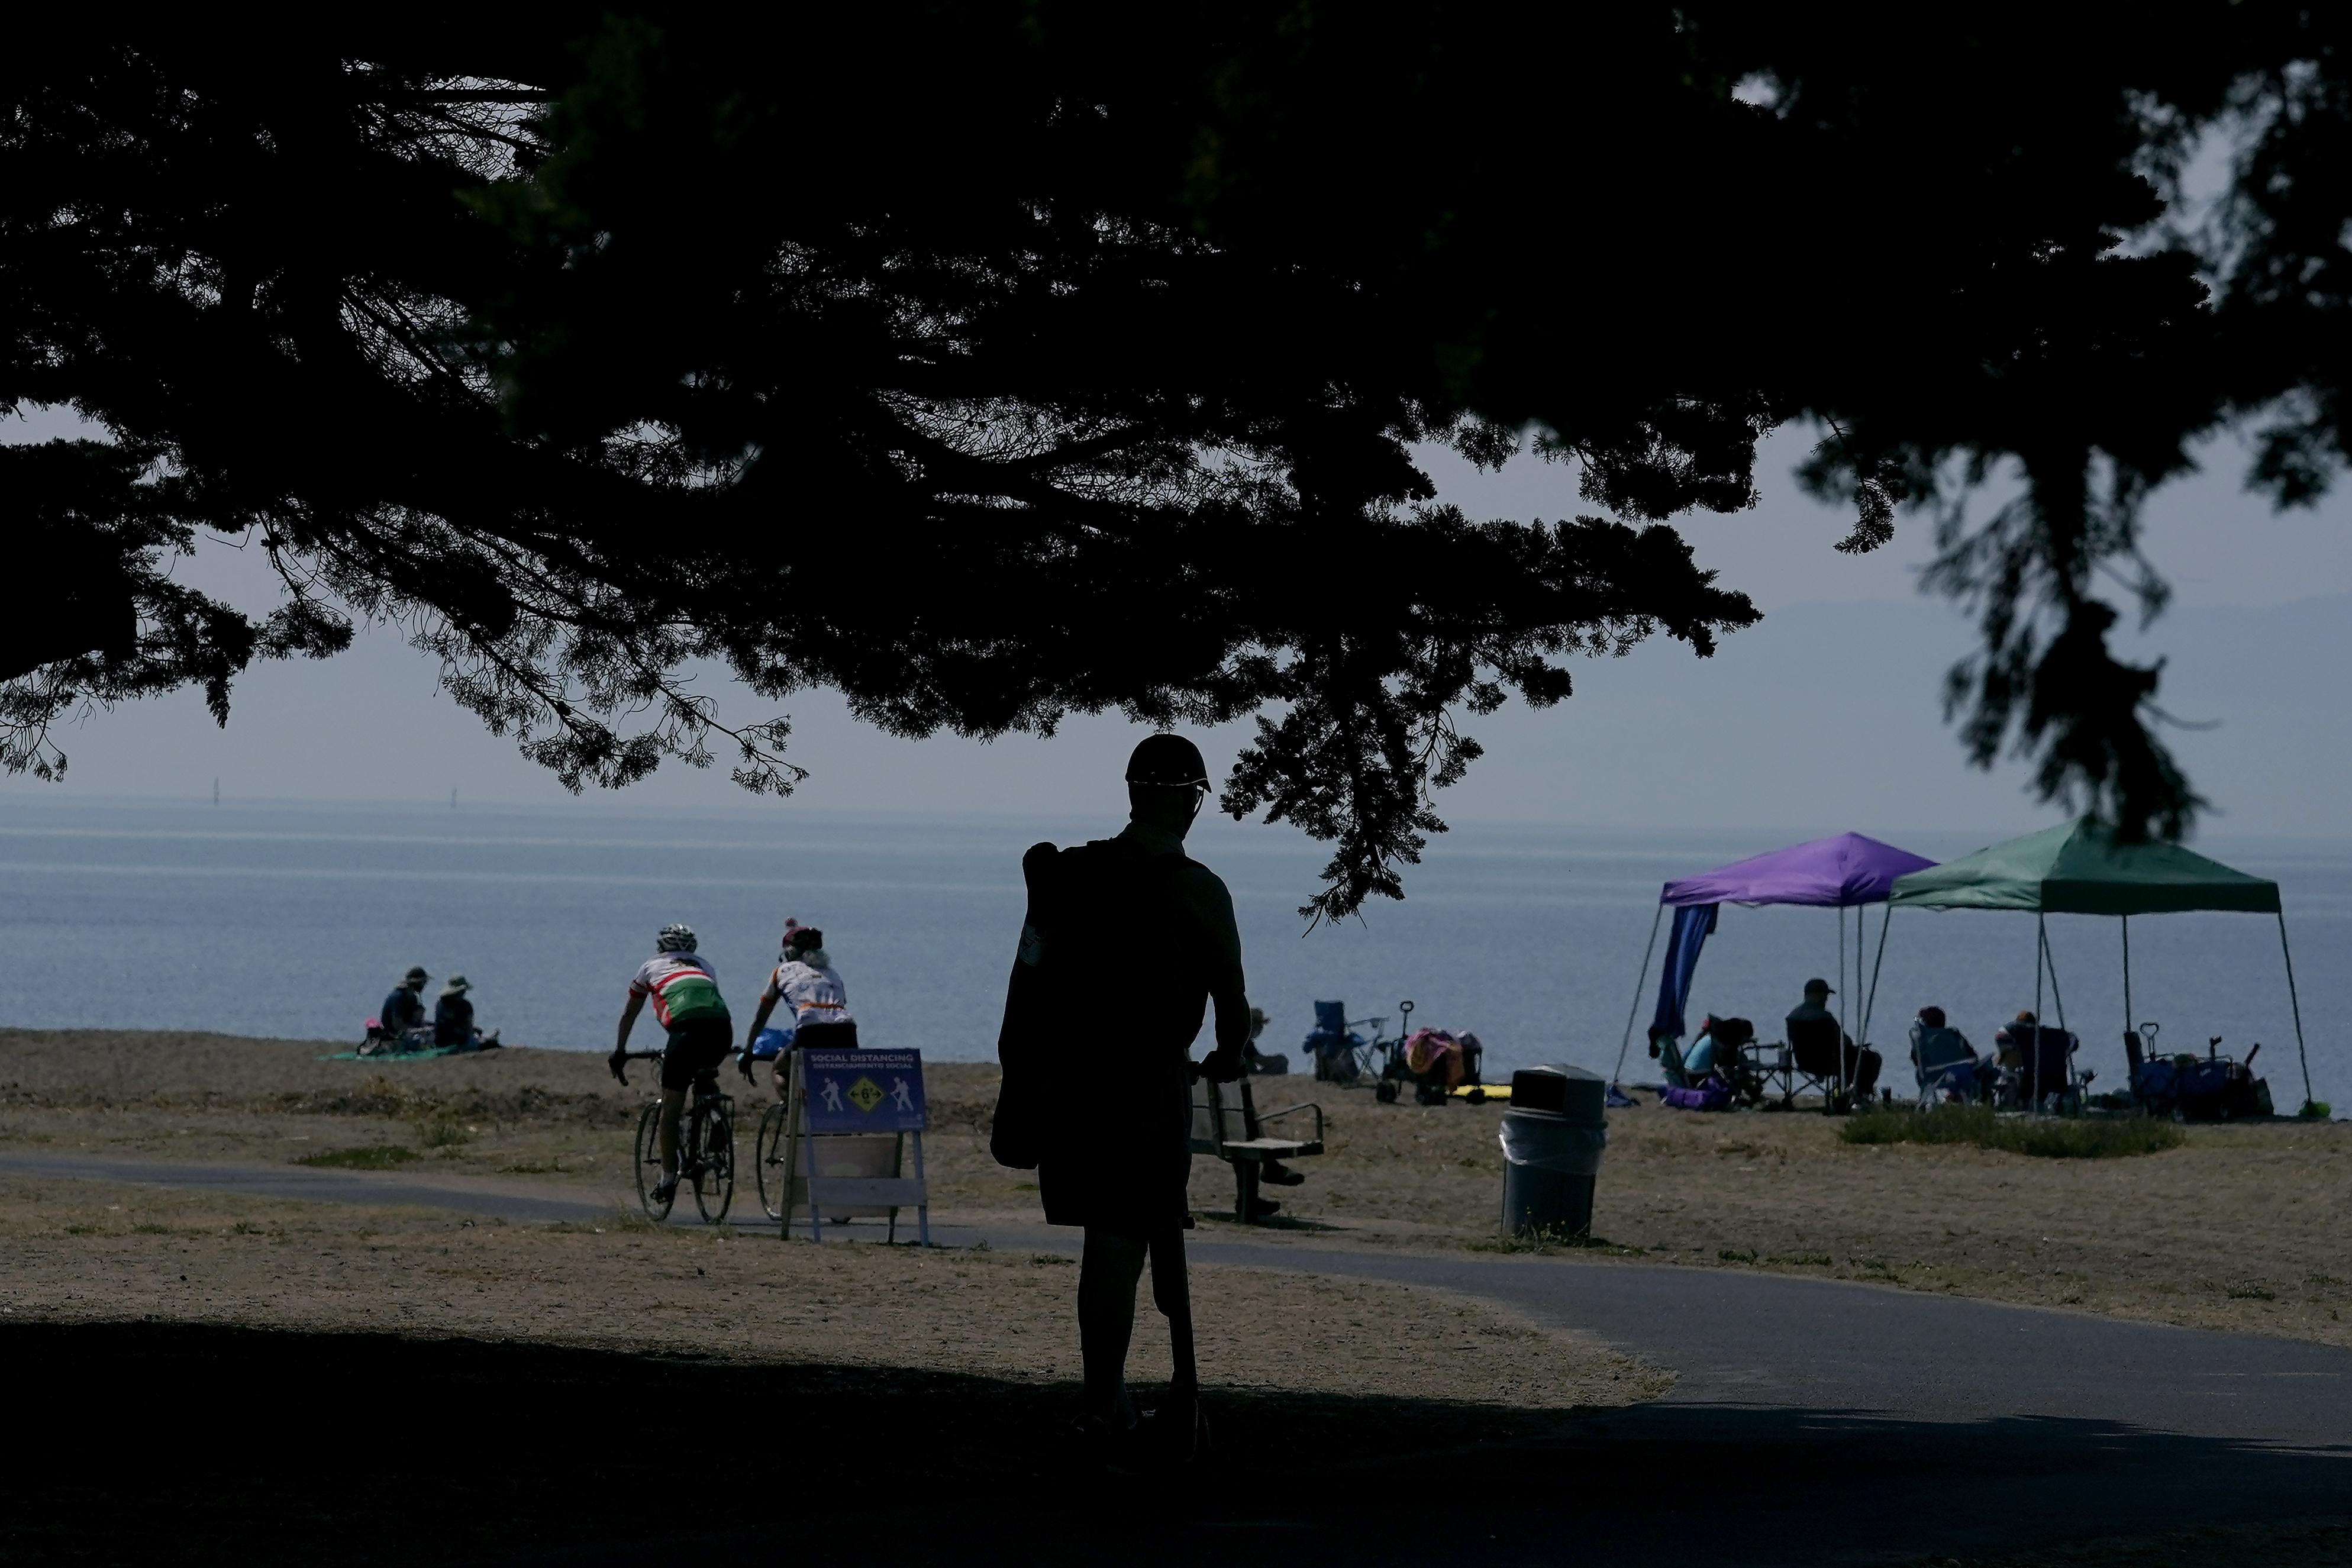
{"x": 807, "y": 981}
{"x": 453, "y": 1019}
{"x": 403, "y": 1010}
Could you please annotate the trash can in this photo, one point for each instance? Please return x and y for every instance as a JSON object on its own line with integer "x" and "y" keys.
{"x": 1552, "y": 1138}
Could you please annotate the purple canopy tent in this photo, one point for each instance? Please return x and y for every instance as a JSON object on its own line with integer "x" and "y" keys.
{"x": 1847, "y": 871}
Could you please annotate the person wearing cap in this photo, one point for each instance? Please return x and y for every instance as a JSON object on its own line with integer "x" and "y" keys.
{"x": 453, "y": 1019}
{"x": 405, "y": 1009}
{"x": 1127, "y": 944}
{"x": 1814, "y": 1041}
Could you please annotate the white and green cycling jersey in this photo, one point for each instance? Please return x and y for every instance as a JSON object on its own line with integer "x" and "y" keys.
{"x": 683, "y": 986}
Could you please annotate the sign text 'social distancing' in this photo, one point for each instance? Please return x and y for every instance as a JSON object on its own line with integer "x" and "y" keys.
{"x": 864, "y": 1092}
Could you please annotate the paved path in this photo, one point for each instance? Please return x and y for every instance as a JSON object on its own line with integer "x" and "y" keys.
{"x": 1814, "y": 1420}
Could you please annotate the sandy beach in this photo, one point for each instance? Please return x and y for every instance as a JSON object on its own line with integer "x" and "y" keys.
{"x": 2241, "y": 1228}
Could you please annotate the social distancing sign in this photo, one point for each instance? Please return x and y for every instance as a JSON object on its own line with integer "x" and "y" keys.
{"x": 852, "y": 1120}
{"x": 864, "y": 1092}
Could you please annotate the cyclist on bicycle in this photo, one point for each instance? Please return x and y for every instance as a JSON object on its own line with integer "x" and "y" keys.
{"x": 685, "y": 991}
{"x": 807, "y": 982}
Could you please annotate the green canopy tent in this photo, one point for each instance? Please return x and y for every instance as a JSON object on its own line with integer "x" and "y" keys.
{"x": 2077, "y": 868}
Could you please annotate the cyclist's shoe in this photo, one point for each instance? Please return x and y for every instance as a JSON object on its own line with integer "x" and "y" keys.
{"x": 1280, "y": 1174}
{"x": 666, "y": 1189}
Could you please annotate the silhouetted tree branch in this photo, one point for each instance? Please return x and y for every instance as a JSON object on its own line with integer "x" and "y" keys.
{"x": 991, "y": 363}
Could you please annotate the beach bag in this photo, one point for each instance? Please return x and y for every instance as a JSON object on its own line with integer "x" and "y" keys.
{"x": 1712, "y": 1094}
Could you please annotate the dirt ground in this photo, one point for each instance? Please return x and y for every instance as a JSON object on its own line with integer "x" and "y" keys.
{"x": 2242, "y": 1228}
{"x": 84, "y": 1251}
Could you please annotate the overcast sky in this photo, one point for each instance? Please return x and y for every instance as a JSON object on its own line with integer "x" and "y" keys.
{"x": 1825, "y": 716}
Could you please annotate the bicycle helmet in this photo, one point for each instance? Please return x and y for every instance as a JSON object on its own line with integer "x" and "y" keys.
{"x": 675, "y": 938}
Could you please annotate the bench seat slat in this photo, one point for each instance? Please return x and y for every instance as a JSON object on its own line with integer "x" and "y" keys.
{"x": 1272, "y": 1148}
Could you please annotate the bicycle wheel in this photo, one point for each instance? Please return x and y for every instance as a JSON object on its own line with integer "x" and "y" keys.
{"x": 768, "y": 1161}
{"x": 714, "y": 1158}
{"x": 649, "y": 1165}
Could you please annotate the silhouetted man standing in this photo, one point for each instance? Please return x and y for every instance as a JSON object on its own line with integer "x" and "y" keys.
{"x": 1126, "y": 942}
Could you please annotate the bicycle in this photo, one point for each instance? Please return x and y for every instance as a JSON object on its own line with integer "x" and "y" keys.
{"x": 706, "y": 1148}
{"x": 767, "y": 1153}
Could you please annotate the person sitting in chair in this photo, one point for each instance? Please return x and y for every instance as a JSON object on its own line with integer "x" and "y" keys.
{"x": 1815, "y": 1042}
{"x": 2033, "y": 1061}
{"x": 1943, "y": 1058}
{"x": 1273, "y": 1170}
{"x": 1716, "y": 1052}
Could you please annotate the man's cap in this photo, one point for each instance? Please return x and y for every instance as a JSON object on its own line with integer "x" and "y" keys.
{"x": 416, "y": 977}
{"x": 458, "y": 985}
{"x": 1820, "y": 985}
{"x": 1167, "y": 760}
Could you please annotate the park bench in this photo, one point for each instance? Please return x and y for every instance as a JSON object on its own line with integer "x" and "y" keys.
{"x": 1226, "y": 1123}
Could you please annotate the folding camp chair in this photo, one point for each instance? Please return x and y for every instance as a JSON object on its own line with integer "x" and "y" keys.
{"x": 1342, "y": 1056}
{"x": 1769, "y": 1070}
{"x": 1941, "y": 1060}
{"x": 2046, "y": 1074}
{"x": 1807, "y": 1062}
{"x": 1669, "y": 1052}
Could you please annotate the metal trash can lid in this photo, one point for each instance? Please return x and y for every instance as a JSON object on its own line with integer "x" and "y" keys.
{"x": 1571, "y": 1093}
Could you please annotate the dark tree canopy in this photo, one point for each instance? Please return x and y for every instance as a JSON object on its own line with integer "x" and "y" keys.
{"x": 989, "y": 362}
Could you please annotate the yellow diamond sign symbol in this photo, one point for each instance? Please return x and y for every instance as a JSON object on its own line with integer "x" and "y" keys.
{"x": 865, "y": 1094}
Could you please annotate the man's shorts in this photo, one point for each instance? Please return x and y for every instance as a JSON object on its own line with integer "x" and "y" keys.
{"x": 695, "y": 1046}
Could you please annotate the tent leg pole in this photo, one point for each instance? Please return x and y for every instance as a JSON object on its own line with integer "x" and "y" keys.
{"x": 2128, "y": 1006}
{"x": 2057, "y": 993}
{"x": 2057, "y": 1000}
{"x": 1844, "y": 1087}
{"x": 1640, "y": 985}
{"x": 2033, "y": 1058}
{"x": 1870, "y": 1002}
{"x": 2291, "y": 1001}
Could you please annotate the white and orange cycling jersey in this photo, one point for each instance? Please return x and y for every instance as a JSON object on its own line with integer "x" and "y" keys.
{"x": 683, "y": 985}
{"x": 812, "y": 991}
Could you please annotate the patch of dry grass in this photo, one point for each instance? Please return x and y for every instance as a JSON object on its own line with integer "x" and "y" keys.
{"x": 72, "y": 1251}
{"x": 2240, "y": 1227}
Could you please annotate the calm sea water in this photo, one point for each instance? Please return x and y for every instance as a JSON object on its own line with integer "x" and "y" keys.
{"x": 294, "y": 919}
